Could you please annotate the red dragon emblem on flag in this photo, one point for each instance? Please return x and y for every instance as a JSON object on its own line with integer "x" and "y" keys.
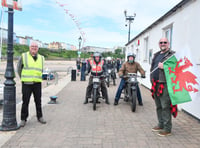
{"x": 185, "y": 78}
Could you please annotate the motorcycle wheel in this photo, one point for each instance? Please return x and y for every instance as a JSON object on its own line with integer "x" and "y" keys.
{"x": 94, "y": 99}
{"x": 133, "y": 101}
{"x": 125, "y": 95}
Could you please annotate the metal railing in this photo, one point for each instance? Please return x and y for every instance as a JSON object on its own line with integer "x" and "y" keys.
{"x": 52, "y": 78}
{"x": 69, "y": 69}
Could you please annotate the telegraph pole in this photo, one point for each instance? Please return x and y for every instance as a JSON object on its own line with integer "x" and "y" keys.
{"x": 130, "y": 20}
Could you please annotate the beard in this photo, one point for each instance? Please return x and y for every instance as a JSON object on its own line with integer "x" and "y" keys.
{"x": 163, "y": 48}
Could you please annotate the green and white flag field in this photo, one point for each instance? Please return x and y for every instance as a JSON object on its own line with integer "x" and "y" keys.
{"x": 182, "y": 78}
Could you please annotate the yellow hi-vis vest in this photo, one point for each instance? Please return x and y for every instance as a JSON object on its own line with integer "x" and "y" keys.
{"x": 32, "y": 70}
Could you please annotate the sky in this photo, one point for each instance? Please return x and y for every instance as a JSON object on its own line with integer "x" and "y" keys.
{"x": 100, "y": 23}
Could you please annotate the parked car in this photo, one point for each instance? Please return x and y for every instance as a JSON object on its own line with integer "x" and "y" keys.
{"x": 48, "y": 74}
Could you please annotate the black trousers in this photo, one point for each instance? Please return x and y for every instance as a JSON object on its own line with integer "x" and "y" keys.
{"x": 103, "y": 89}
{"x": 27, "y": 90}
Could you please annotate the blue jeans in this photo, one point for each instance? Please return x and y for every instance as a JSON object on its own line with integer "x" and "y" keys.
{"x": 121, "y": 87}
{"x": 82, "y": 75}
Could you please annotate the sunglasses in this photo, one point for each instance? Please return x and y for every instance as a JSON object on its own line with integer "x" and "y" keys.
{"x": 163, "y": 42}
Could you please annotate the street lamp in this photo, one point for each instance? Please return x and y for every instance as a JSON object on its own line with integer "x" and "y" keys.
{"x": 9, "y": 122}
{"x": 79, "y": 40}
{"x": 130, "y": 20}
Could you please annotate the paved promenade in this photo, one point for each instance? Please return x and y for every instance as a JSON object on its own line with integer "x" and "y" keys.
{"x": 71, "y": 124}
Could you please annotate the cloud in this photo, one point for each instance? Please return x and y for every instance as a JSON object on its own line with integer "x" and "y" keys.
{"x": 146, "y": 11}
{"x": 43, "y": 35}
{"x": 31, "y": 2}
{"x": 114, "y": 9}
{"x": 102, "y": 8}
{"x": 42, "y": 21}
{"x": 100, "y": 36}
{"x": 103, "y": 21}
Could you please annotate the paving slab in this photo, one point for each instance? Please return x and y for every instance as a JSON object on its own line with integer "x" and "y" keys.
{"x": 71, "y": 124}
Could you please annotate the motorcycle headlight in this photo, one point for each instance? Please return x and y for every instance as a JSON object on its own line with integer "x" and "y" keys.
{"x": 132, "y": 79}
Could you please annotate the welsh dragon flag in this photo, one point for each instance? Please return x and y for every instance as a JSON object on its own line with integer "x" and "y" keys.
{"x": 182, "y": 78}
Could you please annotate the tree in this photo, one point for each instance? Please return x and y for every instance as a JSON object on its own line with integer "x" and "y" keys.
{"x": 118, "y": 51}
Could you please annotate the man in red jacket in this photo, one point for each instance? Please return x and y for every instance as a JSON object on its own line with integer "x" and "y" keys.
{"x": 97, "y": 68}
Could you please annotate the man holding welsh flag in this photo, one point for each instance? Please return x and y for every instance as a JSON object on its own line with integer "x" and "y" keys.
{"x": 164, "y": 107}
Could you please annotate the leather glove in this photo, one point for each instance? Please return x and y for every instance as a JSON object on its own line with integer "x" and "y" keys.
{"x": 143, "y": 76}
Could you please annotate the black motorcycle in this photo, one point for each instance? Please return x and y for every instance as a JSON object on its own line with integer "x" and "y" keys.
{"x": 130, "y": 89}
{"x": 110, "y": 77}
{"x": 96, "y": 89}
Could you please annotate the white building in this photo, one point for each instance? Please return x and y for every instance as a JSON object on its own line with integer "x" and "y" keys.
{"x": 181, "y": 26}
{"x": 96, "y": 49}
{"x": 22, "y": 40}
{"x": 63, "y": 45}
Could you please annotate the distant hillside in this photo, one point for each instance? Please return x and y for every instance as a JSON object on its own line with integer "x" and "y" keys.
{"x": 58, "y": 54}
{"x": 48, "y": 54}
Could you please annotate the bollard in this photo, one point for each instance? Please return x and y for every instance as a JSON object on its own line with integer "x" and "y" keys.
{"x": 53, "y": 100}
{"x": 73, "y": 75}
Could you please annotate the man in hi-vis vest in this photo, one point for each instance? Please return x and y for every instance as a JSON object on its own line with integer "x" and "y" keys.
{"x": 29, "y": 68}
{"x": 97, "y": 68}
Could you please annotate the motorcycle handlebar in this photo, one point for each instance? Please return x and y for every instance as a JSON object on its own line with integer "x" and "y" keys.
{"x": 132, "y": 74}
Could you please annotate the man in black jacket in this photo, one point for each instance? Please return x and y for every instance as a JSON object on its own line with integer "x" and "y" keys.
{"x": 159, "y": 88}
{"x": 111, "y": 66}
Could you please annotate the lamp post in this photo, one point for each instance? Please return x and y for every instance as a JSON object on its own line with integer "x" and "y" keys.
{"x": 9, "y": 122}
{"x": 79, "y": 40}
{"x": 130, "y": 20}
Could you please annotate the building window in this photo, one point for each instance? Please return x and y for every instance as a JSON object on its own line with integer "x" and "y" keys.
{"x": 146, "y": 46}
{"x": 132, "y": 46}
{"x": 168, "y": 31}
{"x": 150, "y": 55}
{"x": 137, "y": 55}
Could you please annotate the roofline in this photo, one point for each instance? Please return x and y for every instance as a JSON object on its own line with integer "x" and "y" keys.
{"x": 174, "y": 9}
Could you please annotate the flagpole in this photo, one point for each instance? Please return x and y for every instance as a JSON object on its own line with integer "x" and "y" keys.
{"x": 162, "y": 62}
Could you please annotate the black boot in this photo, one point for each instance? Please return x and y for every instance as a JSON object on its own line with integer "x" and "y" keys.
{"x": 86, "y": 101}
{"x": 116, "y": 102}
{"x": 140, "y": 103}
{"x": 107, "y": 102}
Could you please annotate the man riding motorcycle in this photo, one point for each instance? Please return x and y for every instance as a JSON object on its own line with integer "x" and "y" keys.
{"x": 97, "y": 68}
{"x": 130, "y": 66}
{"x": 110, "y": 66}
